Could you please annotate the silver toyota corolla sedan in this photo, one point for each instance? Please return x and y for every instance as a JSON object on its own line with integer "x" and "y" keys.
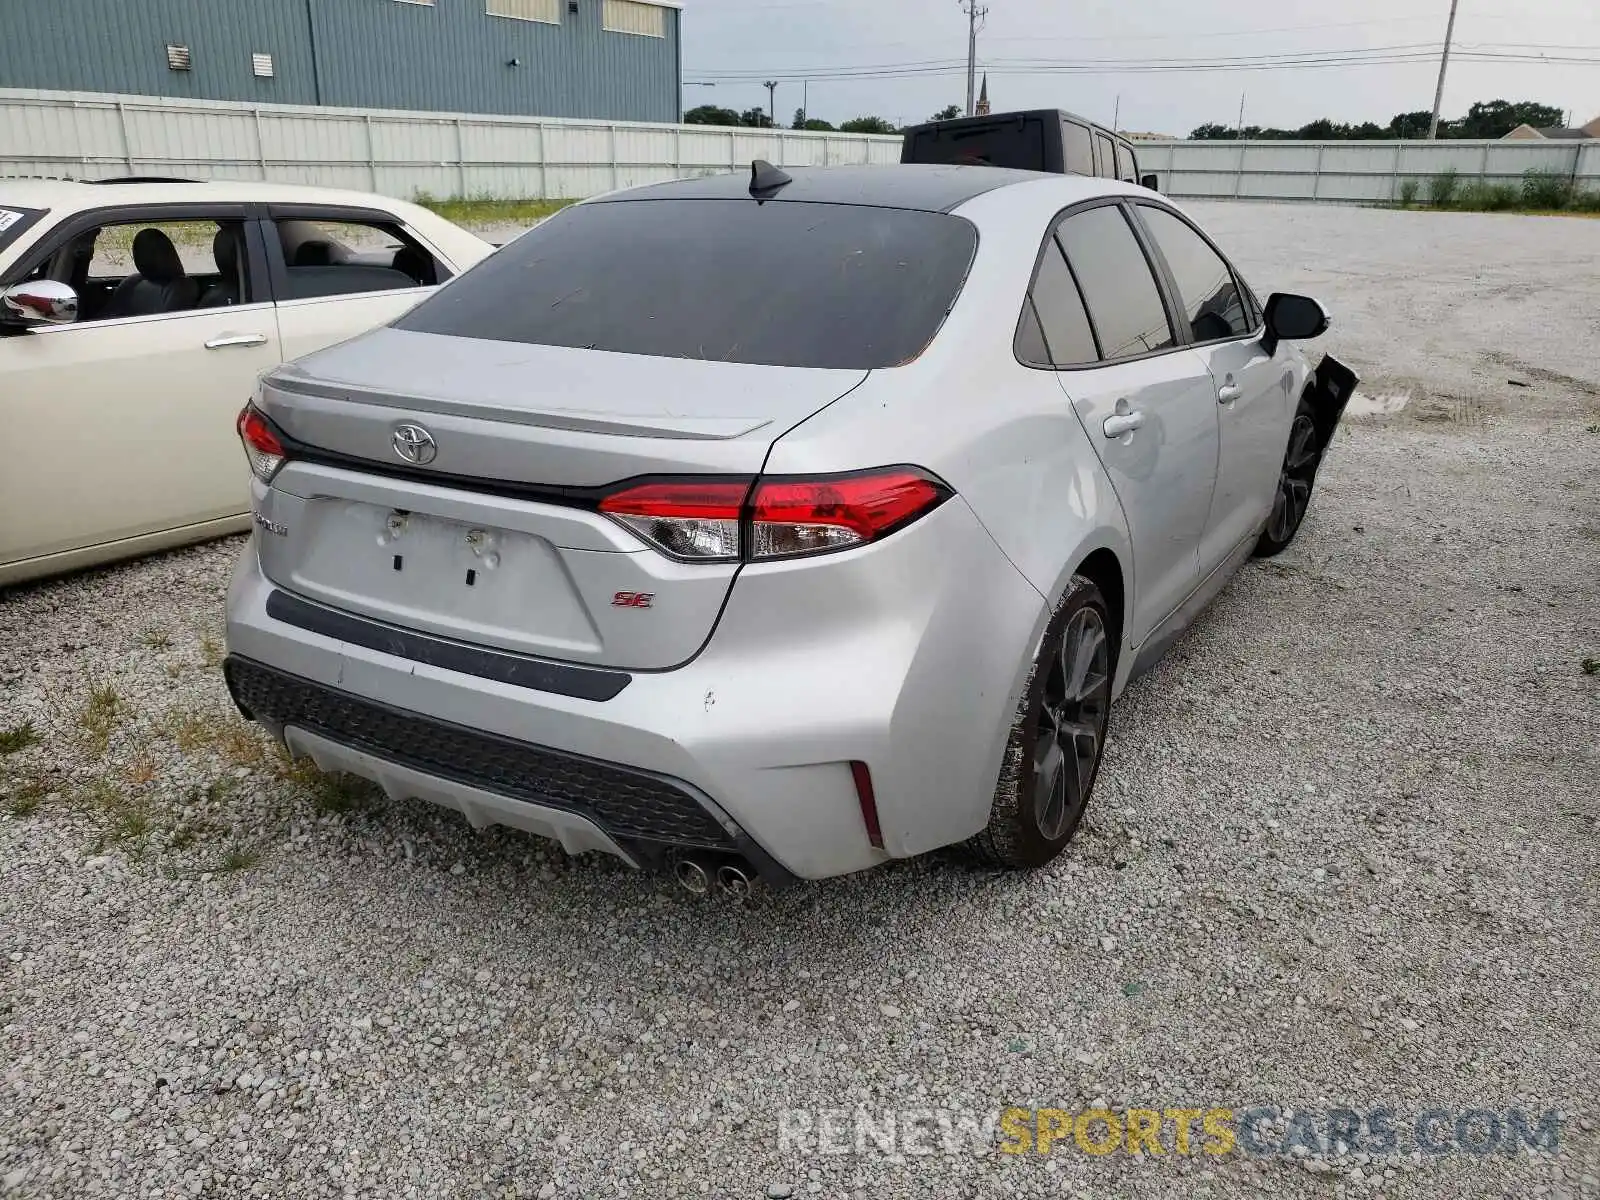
{"x": 773, "y": 526}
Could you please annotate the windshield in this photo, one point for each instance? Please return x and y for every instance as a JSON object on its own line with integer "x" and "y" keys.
{"x": 779, "y": 284}
{"x": 14, "y": 222}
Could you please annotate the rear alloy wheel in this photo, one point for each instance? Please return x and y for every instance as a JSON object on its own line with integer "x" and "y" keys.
{"x": 1299, "y": 474}
{"x": 1054, "y": 753}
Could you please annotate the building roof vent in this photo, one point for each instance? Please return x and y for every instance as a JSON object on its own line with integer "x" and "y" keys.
{"x": 261, "y": 64}
{"x": 177, "y": 57}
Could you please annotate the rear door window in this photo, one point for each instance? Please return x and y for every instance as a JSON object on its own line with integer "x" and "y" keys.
{"x": 1077, "y": 148}
{"x": 332, "y": 257}
{"x": 1212, "y": 303}
{"x": 1062, "y": 317}
{"x": 1105, "y": 156}
{"x": 1127, "y": 169}
{"x": 782, "y": 283}
{"x": 1120, "y": 288}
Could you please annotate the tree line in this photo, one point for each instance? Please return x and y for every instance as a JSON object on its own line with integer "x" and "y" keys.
{"x": 758, "y": 118}
{"x": 1485, "y": 119}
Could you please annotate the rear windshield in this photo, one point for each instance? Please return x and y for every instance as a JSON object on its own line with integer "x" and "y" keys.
{"x": 14, "y": 222}
{"x": 780, "y": 284}
{"x": 1012, "y": 143}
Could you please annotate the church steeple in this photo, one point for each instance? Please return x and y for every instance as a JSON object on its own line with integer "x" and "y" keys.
{"x": 983, "y": 97}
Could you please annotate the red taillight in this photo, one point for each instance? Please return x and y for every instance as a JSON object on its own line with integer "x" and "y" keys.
{"x": 696, "y": 519}
{"x": 808, "y": 516}
{"x": 261, "y": 446}
{"x": 701, "y": 519}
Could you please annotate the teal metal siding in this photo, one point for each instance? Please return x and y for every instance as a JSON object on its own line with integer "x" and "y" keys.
{"x": 447, "y": 57}
{"x": 120, "y": 46}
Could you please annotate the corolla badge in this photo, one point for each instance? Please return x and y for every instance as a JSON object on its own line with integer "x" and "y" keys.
{"x": 414, "y": 444}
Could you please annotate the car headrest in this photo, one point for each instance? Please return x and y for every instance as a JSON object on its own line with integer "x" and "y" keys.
{"x": 155, "y": 257}
{"x": 225, "y": 249}
{"x": 313, "y": 254}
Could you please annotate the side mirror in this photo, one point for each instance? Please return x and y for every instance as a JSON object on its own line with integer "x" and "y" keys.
{"x": 41, "y": 302}
{"x": 1150, "y": 181}
{"x": 1291, "y": 318}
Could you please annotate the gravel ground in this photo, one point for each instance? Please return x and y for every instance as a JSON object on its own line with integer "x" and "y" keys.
{"x": 1344, "y": 851}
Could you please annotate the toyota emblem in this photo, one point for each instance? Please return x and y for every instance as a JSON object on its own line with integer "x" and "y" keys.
{"x": 415, "y": 444}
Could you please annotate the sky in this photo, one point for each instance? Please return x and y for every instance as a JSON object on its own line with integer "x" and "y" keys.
{"x": 739, "y": 43}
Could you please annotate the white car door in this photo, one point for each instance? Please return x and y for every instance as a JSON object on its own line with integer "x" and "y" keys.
{"x": 1253, "y": 390}
{"x": 340, "y": 272}
{"x": 1147, "y": 404}
{"x": 122, "y": 424}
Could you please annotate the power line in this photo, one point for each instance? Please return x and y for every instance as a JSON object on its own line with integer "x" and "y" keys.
{"x": 1306, "y": 60}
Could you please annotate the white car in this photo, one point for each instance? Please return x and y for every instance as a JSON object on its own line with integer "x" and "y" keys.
{"x": 135, "y": 316}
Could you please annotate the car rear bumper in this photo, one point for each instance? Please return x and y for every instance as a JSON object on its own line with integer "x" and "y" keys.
{"x": 906, "y": 656}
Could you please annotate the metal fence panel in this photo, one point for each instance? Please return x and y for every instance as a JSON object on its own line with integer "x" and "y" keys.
{"x": 448, "y": 154}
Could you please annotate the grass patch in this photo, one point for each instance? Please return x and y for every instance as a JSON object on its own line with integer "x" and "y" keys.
{"x": 242, "y": 744}
{"x": 190, "y": 730}
{"x": 485, "y": 210}
{"x": 1544, "y": 188}
{"x": 212, "y": 652}
{"x": 1442, "y": 188}
{"x": 238, "y": 858}
{"x": 1408, "y": 192}
{"x": 142, "y": 771}
{"x": 25, "y": 800}
{"x": 99, "y": 716}
{"x": 157, "y": 638}
{"x": 18, "y": 738}
{"x": 335, "y": 795}
{"x": 1591, "y": 666}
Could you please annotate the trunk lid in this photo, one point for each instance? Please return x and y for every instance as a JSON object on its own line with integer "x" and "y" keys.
{"x": 494, "y": 540}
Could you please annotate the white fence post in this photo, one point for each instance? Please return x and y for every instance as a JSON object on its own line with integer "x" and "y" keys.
{"x": 461, "y": 161}
{"x": 127, "y": 145}
{"x": 261, "y": 144}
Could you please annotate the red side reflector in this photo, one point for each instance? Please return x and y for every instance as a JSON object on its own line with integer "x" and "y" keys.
{"x": 869, "y": 802}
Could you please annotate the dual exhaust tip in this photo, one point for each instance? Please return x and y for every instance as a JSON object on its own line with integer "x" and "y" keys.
{"x": 698, "y": 877}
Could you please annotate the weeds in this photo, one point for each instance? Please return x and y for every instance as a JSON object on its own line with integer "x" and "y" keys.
{"x": 241, "y": 744}
{"x": 212, "y": 652}
{"x": 142, "y": 771}
{"x": 1442, "y": 188}
{"x": 1544, "y": 188}
{"x": 337, "y": 794}
{"x": 486, "y": 210}
{"x": 238, "y": 858}
{"x": 1487, "y": 197}
{"x": 190, "y": 730}
{"x": 1591, "y": 666}
{"x": 1408, "y": 192}
{"x": 99, "y": 716}
{"x": 26, "y": 799}
{"x": 157, "y": 638}
{"x": 18, "y": 738}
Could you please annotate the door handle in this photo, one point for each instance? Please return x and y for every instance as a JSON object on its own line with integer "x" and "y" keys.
{"x": 1228, "y": 393}
{"x": 1123, "y": 423}
{"x": 237, "y": 339}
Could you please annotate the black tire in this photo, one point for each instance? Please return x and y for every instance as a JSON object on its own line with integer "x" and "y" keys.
{"x": 1027, "y": 828}
{"x": 1296, "y": 478}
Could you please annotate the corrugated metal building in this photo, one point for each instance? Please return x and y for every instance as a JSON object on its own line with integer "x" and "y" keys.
{"x": 607, "y": 59}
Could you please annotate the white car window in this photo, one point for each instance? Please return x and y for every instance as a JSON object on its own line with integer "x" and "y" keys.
{"x": 147, "y": 268}
{"x": 325, "y": 258}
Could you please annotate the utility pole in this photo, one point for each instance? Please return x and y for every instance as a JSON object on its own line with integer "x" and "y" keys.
{"x": 1116, "y": 113}
{"x": 772, "y": 101}
{"x": 1240, "y": 126}
{"x": 975, "y": 15}
{"x": 1444, "y": 61}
